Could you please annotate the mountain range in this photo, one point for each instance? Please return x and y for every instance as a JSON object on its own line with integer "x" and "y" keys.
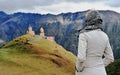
{"x": 64, "y": 27}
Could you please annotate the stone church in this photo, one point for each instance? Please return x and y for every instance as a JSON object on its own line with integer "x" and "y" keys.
{"x": 42, "y": 33}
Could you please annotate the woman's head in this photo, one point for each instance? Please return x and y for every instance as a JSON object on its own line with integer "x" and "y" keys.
{"x": 93, "y": 19}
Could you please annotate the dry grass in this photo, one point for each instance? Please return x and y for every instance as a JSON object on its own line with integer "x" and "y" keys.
{"x": 27, "y": 56}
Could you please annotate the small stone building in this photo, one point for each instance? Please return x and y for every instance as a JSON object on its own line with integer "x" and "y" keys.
{"x": 42, "y": 34}
{"x": 30, "y": 31}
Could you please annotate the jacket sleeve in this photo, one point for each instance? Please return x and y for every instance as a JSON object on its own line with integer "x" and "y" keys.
{"x": 108, "y": 55}
{"x": 81, "y": 56}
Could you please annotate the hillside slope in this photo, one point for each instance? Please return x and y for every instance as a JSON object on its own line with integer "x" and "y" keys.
{"x": 33, "y": 55}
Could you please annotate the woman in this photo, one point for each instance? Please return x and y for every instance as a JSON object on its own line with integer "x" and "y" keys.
{"x": 93, "y": 45}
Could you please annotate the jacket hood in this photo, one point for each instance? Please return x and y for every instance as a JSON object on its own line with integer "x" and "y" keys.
{"x": 93, "y": 19}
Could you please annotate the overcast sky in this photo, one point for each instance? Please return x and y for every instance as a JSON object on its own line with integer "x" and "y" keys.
{"x": 57, "y": 6}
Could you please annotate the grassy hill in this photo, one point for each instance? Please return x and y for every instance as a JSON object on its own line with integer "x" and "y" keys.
{"x": 33, "y": 55}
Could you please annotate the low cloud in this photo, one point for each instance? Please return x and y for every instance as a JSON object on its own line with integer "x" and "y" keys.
{"x": 114, "y": 3}
{"x": 55, "y": 6}
{"x": 13, "y": 5}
